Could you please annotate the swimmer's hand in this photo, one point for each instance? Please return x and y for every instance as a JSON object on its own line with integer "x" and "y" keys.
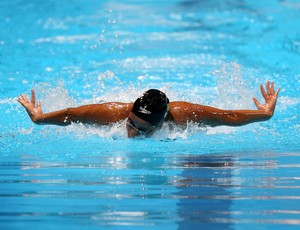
{"x": 33, "y": 109}
{"x": 270, "y": 97}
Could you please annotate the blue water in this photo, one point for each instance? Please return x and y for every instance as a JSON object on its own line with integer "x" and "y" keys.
{"x": 210, "y": 52}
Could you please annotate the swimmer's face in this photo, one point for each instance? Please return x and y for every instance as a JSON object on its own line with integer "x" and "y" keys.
{"x": 138, "y": 127}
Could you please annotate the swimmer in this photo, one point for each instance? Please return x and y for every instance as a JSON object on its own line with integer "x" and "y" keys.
{"x": 148, "y": 113}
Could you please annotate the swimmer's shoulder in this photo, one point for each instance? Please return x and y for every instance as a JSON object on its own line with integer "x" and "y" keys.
{"x": 176, "y": 112}
{"x": 179, "y": 106}
{"x": 181, "y": 111}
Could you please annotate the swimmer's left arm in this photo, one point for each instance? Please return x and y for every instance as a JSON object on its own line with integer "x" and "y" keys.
{"x": 100, "y": 114}
{"x": 182, "y": 112}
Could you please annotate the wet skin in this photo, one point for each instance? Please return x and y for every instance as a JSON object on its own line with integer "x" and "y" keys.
{"x": 179, "y": 113}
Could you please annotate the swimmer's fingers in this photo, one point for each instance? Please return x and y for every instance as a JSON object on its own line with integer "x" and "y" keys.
{"x": 269, "y": 88}
{"x": 39, "y": 105}
{"x": 263, "y": 92}
{"x": 272, "y": 88}
{"x": 33, "y": 97}
{"x": 256, "y": 102}
{"x": 22, "y": 99}
{"x": 277, "y": 92}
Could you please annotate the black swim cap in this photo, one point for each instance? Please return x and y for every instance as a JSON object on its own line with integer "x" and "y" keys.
{"x": 151, "y": 106}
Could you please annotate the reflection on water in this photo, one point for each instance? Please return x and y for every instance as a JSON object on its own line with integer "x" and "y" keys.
{"x": 205, "y": 199}
{"x": 175, "y": 191}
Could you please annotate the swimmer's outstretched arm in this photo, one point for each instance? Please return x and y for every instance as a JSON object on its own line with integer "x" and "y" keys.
{"x": 99, "y": 114}
{"x": 181, "y": 112}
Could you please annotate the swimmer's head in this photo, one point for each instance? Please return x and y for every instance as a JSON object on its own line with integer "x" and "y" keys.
{"x": 151, "y": 106}
{"x": 148, "y": 112}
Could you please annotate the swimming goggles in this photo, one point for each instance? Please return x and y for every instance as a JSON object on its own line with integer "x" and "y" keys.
{"x": 131, "y": 125}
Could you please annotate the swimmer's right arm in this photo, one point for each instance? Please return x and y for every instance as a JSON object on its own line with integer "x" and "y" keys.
{"x": 99, "y": 114}
{"x": 183, "y": 112}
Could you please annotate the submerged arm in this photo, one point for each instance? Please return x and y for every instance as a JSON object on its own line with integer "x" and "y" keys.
{"x": 101, "y": 114}
{"x": 181, "y": 112}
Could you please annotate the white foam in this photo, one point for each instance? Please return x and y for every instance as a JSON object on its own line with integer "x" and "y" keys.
{"x": 114, "y": 131}
{"x": 8, "y": 100}
{"x": 284, "y": 102}
{"x": 53, "y": 98}
{"x": 232, "y": 90}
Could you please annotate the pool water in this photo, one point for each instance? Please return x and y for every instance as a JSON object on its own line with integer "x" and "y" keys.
{"x": 209, "y": 52}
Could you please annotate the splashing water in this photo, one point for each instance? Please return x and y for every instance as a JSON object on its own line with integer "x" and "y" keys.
{"x": 231, "y": 92}
{"x": 54, "y": 98}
